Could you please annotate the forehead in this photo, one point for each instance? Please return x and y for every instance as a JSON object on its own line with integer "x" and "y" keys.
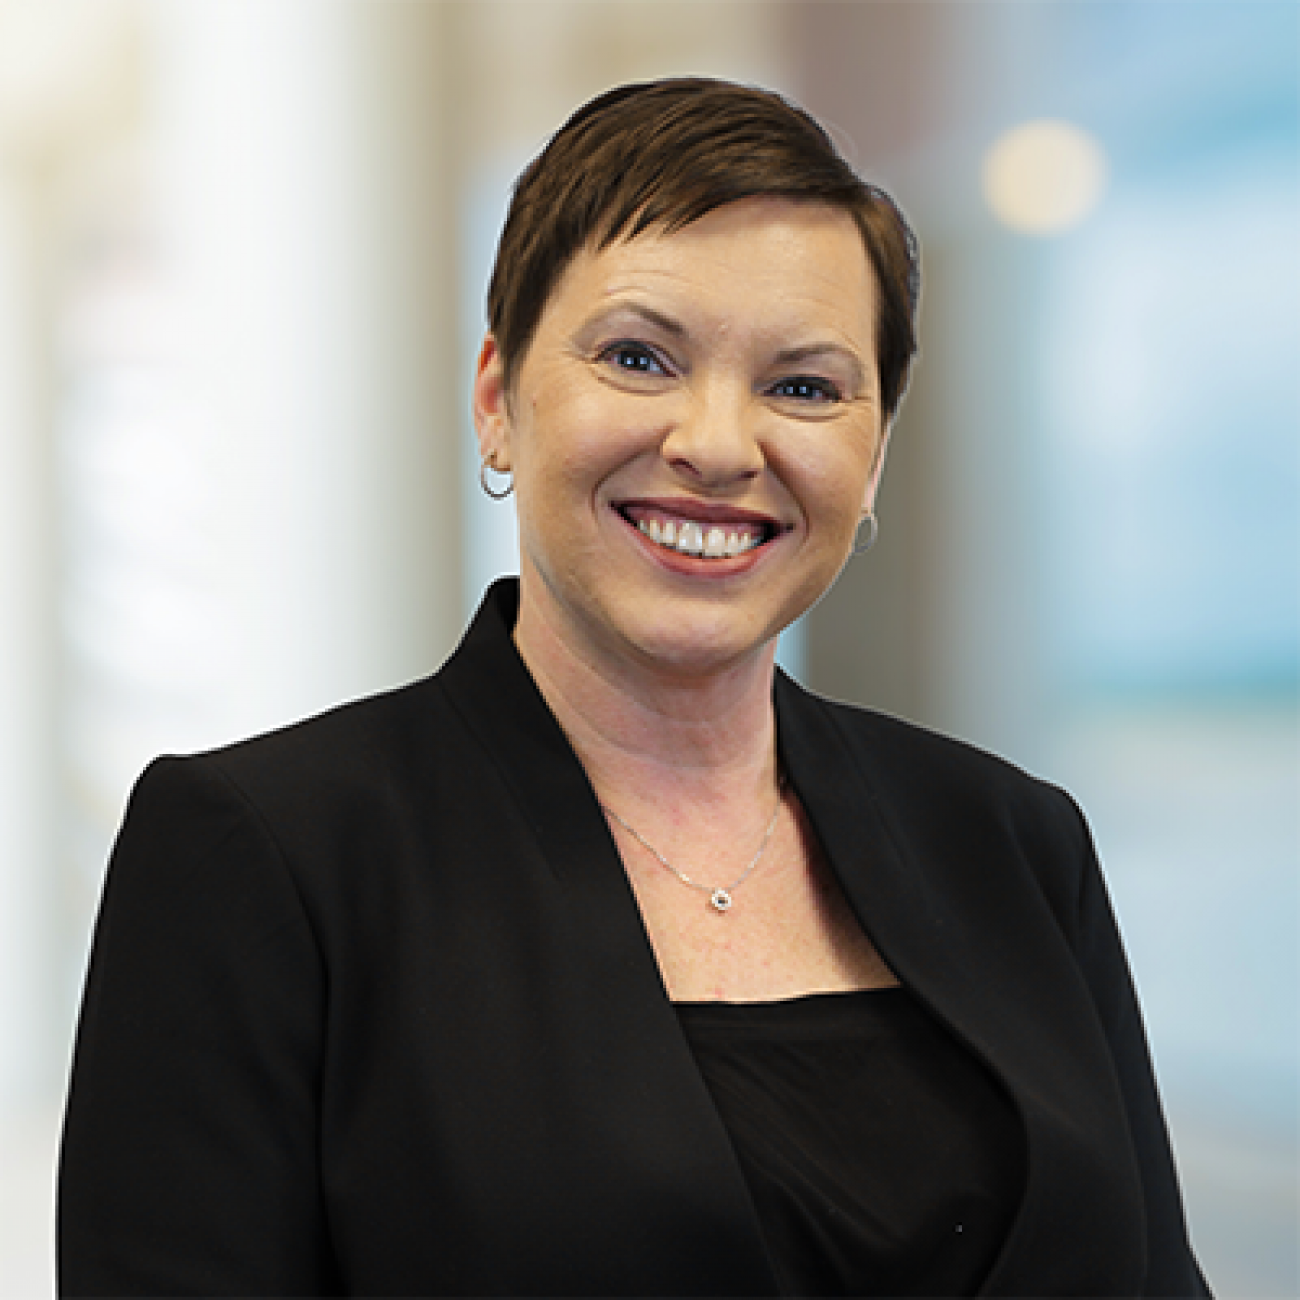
{"x": 759, "y": 259}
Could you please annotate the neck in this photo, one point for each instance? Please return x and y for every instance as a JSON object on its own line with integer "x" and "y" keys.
{"x": 650, "y": 736}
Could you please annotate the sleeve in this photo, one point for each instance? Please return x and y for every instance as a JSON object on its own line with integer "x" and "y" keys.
{"x": 189, "y": 1161}
{"x": 1171, "y": 1266}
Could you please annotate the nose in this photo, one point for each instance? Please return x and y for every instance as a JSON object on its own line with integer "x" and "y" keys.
{"x": 716, "y": 440}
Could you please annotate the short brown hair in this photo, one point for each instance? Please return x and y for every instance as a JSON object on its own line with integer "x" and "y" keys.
{"x": 664, "y": 153}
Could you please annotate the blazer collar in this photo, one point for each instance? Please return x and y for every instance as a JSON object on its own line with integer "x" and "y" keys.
{"x": 491, "y": 687}
{"x": 868, "y": 855}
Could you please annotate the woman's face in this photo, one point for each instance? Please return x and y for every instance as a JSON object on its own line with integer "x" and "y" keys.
{"x": 694, "y": 433}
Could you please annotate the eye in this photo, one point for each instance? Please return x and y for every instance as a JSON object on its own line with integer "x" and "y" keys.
{"x": 807, "y": 388}
{"x": 633, "y": 358}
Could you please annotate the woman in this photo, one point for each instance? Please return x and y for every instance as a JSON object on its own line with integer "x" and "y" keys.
{"x": 606, "y": 961}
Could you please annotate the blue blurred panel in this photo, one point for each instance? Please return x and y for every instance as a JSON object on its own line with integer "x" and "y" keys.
{"x": 1166, "y": 451}
{"x": 1169, "y": 403}
{"x": 1174, "y": 414}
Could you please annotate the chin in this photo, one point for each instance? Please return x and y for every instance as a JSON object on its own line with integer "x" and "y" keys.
{"x": 702, "y": 646}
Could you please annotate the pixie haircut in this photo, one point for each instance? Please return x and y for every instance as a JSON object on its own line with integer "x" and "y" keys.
{"x": 661, "y": 154}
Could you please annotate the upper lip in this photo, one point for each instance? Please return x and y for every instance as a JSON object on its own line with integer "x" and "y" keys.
{"x": 703, "y": 512}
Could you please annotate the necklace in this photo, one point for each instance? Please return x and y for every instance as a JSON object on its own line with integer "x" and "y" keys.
{"x": 719, "y": 897}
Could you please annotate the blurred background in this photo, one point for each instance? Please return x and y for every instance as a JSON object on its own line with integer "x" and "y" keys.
{"x": 243, "y": 247}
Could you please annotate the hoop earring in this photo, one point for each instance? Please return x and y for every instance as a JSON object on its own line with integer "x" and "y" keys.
{"x": 495, "y": 494}
{"x": 861, "y": 548}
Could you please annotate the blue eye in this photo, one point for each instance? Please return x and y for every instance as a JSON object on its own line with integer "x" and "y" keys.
{"x": 806, "y": 388}
{"x": 633, "y": 358}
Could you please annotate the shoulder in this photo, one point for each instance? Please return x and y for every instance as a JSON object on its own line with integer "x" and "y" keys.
{"x": 370, "y": 792}
{"x": 319, "y": 781}
{"x": 386, "y": 742}
{"x": 918, "y": 763}
{"x": 951, "y": 803}
{"x": 312, "y": 762}
{"x": 360, "y": 740}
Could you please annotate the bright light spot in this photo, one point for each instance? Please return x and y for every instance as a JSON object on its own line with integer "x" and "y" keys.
{"x": 1044, "y": 177}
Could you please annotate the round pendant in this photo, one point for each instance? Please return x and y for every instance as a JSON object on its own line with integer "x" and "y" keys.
{"x": 720, "y": 899}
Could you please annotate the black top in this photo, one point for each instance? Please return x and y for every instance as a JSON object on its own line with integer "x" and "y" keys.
{"x": 882, "y": 1158}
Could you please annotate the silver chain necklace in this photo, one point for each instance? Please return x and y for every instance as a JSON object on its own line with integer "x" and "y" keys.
{"x": 719, "y": 897}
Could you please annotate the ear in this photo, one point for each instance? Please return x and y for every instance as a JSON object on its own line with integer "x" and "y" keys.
{"x": 873, "y": 481}
{"x": 491, "y": 407}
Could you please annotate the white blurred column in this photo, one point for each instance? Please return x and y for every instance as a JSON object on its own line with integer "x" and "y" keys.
{"x": 61, "y": 69}
{"x": 26, "y": 676}
{"x": 260, "y": 393}
{"x": 304, "y": 191}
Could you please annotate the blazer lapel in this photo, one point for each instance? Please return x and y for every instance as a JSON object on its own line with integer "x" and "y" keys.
{"x": 954, "y": 910}
{"x": 904, "y": 918}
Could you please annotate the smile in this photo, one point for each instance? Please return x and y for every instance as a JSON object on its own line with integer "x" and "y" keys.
{"x": 705, "y": 538}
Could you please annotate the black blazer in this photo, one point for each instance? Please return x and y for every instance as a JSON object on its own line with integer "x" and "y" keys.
{"x": 371, "y": 1010}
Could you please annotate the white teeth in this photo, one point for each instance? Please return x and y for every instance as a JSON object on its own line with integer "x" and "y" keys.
{"x": 690, "y": 538}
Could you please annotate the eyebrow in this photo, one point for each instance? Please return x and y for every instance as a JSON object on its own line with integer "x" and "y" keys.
{"x": 668, "y": 324}
{"x": 793, "y": 356}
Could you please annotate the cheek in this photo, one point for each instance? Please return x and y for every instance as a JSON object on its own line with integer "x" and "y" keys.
{"x": 583, "y": 436}
{"x": 843, "y": 511}
{"x": 832, "y": 477}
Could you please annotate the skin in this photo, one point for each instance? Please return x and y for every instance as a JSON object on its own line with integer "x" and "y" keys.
{"x": 725, "y": 375}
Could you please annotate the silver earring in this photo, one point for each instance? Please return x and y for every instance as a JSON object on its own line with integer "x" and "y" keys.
{"x": 494, "y": 493}
{"x": 861, "y": 547}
